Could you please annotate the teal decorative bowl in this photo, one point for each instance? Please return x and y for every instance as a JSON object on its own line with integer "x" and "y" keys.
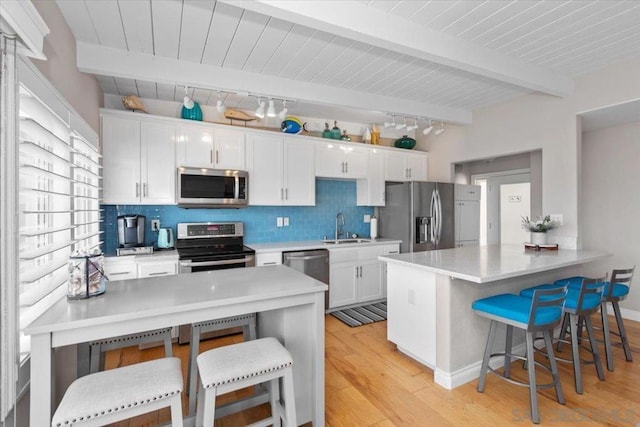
{"x": 405, "y": 142}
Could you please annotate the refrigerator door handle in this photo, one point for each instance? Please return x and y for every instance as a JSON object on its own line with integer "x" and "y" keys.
{"x": 434, "y": 219}
{"x": 439, "y": 215}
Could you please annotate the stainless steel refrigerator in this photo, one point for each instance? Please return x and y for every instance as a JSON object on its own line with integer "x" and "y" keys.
{"x": 421, "y": 214}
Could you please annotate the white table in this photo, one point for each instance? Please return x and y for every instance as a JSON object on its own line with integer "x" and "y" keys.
{"x": 290, "y": 307}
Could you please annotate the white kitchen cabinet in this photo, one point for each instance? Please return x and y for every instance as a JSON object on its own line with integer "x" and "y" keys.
{"x": 139, "y": 161}
{"x": 336, "y": 160}
{"x": 370, "y": 191}
{"x": 467, "y": 215}
{"x": 120, "y": 268}
{"x": 268, "y": 258}
{"x": 281, "y": 170}
{"x": 356, "y": 275}
{"x": 157, "y": 268}
{"x": 206, "y": 146}
{"x": 405, "y": 166}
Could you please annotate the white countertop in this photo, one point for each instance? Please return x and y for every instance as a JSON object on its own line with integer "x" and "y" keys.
{"x": 481, "y": 264}
{"x": 313, "y": 244}
{"x": 157, "y": 255}
{"x": 130, "y": 300}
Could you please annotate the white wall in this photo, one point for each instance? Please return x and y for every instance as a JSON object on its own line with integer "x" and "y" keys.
{"x": 81, "y": 90}
{"x": 611, "y": 201}
{"x": 535, "y": 122}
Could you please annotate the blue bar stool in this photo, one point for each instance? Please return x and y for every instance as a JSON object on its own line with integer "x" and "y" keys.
{"x": 578, "y": 306}
{"x": 621, "y": 280}
{"x": 540, "y": 314}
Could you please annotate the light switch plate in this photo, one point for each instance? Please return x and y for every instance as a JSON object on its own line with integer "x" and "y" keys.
{"x": 279, "y": 221}
{"x": 286, "y": 221}
{"x": 367, "y": 219}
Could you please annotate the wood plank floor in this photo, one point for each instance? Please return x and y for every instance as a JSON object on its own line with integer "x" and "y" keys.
{"x": 370, "y": 383}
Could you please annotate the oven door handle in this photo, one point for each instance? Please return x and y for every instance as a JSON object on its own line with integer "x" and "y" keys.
{"x": 223, "y": 262}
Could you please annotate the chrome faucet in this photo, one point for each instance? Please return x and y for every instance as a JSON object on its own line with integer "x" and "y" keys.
{"x": 339, "y": 224}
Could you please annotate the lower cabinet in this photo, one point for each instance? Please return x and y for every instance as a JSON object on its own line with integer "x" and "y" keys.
{"x": 121, "y": 268}
{"x": 157, "y": 268}
{"x": 268, "y": 258}
{"x": 356, "y": 275}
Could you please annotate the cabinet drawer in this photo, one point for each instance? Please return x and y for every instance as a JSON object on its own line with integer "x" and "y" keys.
{"x": 391, "y": 249}
{"x": 154, "y": 269}
{"x": 370, "y": 252}
{"x": 120, "y": 269}
{"x": 270, "y": 258}
{"x": 343, "y": 255}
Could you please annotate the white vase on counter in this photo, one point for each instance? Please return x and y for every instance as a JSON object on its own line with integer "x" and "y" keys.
{"x": 538, "y": 238}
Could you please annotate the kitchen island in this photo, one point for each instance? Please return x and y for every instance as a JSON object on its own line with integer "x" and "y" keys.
{"x": 429, "y": 296}
{"x": 290, "y": 307}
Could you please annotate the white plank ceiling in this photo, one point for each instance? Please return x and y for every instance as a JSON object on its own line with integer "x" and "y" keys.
{"x": 291, "y": 60}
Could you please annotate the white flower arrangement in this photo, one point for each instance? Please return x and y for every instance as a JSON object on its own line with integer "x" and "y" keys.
{"x": 541, "y": 225}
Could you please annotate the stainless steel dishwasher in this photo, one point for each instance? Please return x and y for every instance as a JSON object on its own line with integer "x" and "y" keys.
{"x": 314, "y": 263}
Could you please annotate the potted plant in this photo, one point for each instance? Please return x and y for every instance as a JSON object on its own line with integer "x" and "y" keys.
{"x": 538, "y": 228}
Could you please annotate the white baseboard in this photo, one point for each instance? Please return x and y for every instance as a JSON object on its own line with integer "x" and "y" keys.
{"x": 414, "y": 357}
{"x": 451, "y": 380}
{"x": 626, "y": 313}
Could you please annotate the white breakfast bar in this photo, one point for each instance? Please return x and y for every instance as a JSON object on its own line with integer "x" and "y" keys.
{"x": 429, "y": 296}
{"x": 290, "y": 307}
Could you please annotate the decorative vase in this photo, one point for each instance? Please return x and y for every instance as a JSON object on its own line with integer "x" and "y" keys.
{"x": 405, "y": 142}
{"x": 538, "y": 238}
{"x": 326, "y": 133}
{"x": 335, "y": 131}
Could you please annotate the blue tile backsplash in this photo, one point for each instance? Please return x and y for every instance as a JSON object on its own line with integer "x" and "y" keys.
{"x": 305, "y": 222}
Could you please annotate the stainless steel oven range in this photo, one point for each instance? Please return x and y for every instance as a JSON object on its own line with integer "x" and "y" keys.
{"x": 205, "y": 246}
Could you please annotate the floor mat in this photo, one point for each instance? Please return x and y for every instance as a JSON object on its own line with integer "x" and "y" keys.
{"x": 358, "y": 316}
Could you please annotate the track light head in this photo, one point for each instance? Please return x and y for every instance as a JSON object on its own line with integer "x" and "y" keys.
{"x": 187, "y": 101}
{"x": 390, "y": 124}
{"x": 414, "y": 126}
{"x": 439, "y": 131}
{"x": 428, "y": 129}
{"x": 271, "y": 111}
{"x": 402, "y": 125}
{"x": 283, "y": 113}
{"x": 260, "y": 110}
{"x": 220, "y": 105}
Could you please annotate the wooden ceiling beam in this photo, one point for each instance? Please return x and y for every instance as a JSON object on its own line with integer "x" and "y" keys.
{"x": 357, "y": 21}
{"x": 108, "y": 61}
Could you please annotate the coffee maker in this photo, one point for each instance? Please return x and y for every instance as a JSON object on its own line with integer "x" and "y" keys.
{"x": 130, "y": 231}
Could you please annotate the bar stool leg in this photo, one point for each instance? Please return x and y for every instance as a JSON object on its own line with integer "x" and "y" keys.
{"x": 554, "y": 366}
{"x": 96, "y": 355}
{"x": 168, "y": 348}
{"x": 289, "y": 397}
{"x": 580, "y": 328}
{"x": 607, "y": 335}
{"x": 577, "y": 372}
{"x": 487, "y": 354}
{"x": 507, "y": 351}
{"x": 192, "y": 378}
{"x": 563, "y": 331}
{"x": 623, "y": 333}
{"x": 533, "y": 395}
{"x": 206, "y": 413}
{"x": 274, "y": 397}
{"x": 594, "y": 347}
{"x": 176, "y": 411}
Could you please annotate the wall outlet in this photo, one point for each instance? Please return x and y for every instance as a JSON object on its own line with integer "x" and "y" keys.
{"x": 556, "y": 218}
{"x": 367, "y": 219}
{"x": 155, "y": 224}
{"x": 286, "y": 221}
{"x": 279, "y": 221}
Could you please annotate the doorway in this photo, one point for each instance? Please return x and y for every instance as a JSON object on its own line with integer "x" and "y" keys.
{"x": 494, "y": 218}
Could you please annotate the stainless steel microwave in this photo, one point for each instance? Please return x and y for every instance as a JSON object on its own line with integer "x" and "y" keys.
{"x": 212, "y": 188}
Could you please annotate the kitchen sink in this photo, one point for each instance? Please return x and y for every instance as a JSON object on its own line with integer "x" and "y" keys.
{"x": 342, "y": 241}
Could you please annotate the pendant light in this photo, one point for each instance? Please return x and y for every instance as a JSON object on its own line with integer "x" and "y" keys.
{"x": 439, "y": 131}
{"x": 260, "y": 110}
{"x": 282, "y": 114}
{"x": 220, "y": 105}
{"x": 428, "y": 129}
{"x": 271, "y": 111}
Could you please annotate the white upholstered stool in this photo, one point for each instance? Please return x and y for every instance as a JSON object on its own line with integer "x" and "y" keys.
{"x": 236, "y": 366}
{"x": 97, "y": 348}
{"x": 248, "y": 324}
{"x": 117, "y": 394}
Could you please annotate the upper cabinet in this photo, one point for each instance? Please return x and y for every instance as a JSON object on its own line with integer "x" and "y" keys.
{"x": 405, "y": 166}
{"x": 205, "y": 146}
{"x": 281, "y": 170}
{"x": 370, "y": 191}
{"x": 139, "y": 161}
{"x": 341, "y": 160}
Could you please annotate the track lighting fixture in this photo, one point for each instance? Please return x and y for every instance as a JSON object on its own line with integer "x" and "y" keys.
{"x": 390, "y": 124}
{"x": 439, "y": 131}
{"x": 271, "y": 111}
{"x": 414, "y": 126}
{"x": 402, "y": 125}
{"x": 220, "y": 105}
{"x": 428, "y": 129}
{"x": 260, "y": 110}
{"x": 187, "y": 102}
{"x": 282, "y": 114}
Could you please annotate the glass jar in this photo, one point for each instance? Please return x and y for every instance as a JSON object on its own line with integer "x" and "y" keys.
{"x": 86, "y": 275}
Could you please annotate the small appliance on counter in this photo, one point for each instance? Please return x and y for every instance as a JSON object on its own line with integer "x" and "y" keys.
{"x": 131, "y": 235}
{"x": 165, "y": 239}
